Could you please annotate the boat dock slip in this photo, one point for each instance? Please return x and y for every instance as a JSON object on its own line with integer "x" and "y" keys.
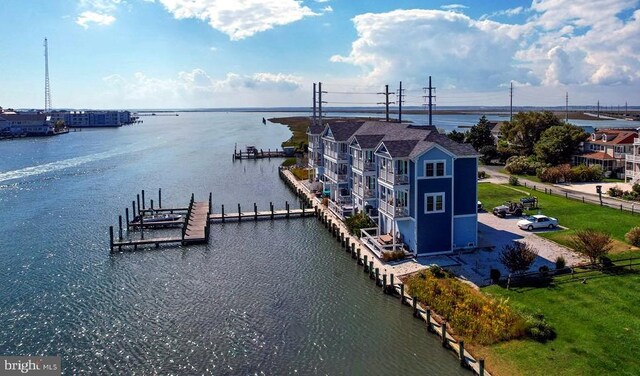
{"x": 258, "y": 154}
{"x": 195, "y": 221}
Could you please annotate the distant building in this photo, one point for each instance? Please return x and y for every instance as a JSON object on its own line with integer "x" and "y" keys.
{"x": 607, "y": 148}
{"x": 80, "y": 119}
{"x": 21, "y": 124}
{"x": 417, "y": 185}
{"x": 632, "y": 163}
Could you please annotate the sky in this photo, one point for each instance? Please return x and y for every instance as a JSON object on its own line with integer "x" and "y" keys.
{"x": 127, "y": 54}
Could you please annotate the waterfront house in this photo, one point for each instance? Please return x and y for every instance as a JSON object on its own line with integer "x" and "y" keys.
{"x": 632, "y": 162}
{"x": 89, "y": 119}
{"x": 25, "y": 124}
{"x": 418, "y": 186}
{"x": 607, "y": 148}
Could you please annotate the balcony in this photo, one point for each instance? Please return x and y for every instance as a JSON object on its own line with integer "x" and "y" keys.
{"x": 636, "y": 141}
{"x": 381, "y": 243}
{"x": 362, "y": 165}
{"x": 341, "y": 208}
{"x": 338, "y": 156}
{"x": 390, "y": 177}
{"x": 316, "y": 162}
{"x": 632, "y": 158}
{"x": 395, "y": 211}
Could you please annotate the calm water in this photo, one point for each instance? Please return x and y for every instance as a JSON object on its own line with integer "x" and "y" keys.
{"x": 271, "y": 298}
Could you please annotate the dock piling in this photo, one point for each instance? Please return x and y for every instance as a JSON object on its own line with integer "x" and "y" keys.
{"x": 143, "y": 201}
{"x": 481, "y": 366}
{"x": 120, "y": 227}
{"x": 141, "y": 226}
{"x": 126, "y": 216}
{"x": 444, "y": 333}
{"x": 377, "y": 276}
{"x": 255, "y": 211}
{"x": 111, "y": 238}
{"x": 222, "y": 213}
{"x": 371, "y": 269}
{"x": 271, "y": 208}
{"x": 414, "y": 302}
{"x": 239, "y": 213}
{"x": 160, "y": 198}
{"x": 138, "y": 200}
{"x": 287, "y": 204}
{"x": 401, "y": 293}
{"x": 151, "y": 204}
{"x": 384, "y": 283}
{"x": 133, "y": 207}
{"x": 366, "y": 264}
{"x": 210, "y": 202}
{"x": 463, "y": 361}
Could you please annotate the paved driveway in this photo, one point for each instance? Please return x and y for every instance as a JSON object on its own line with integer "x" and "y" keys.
{"x": 493, "y": 234}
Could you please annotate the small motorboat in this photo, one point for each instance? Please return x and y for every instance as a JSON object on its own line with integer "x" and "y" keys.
{"x": 156, "y": 218}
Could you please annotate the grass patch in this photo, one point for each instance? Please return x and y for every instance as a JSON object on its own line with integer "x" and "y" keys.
{"x": 522, "y": 176}
{"x": 298, "y": 125}
{"x": 597, "y": 327}
{"x": 300, "y": 173}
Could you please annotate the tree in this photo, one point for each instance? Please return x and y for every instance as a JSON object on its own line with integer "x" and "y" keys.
{"x": 488, "y": 153}
{"x": 591, "y": 243}
{"x": 518, "y": 257}
{"x": 480, "y": 134}
{"x": 558, "y": 143}
{"x": 526, "y": 128}
{"x": 456, "y": 136}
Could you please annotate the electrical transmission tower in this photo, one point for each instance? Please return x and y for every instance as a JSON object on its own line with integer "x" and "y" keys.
{"x": 47, "y": 88}
{"x": 400, "y": 100}
{"x": 386, "y": 101}
{"x": 431, "y": 96}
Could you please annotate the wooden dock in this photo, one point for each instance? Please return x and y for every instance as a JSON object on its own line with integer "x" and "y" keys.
{"x": 258, "y": 154}
{"x": 196, "y": 221}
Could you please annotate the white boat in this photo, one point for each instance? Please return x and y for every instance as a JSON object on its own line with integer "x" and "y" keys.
{"x": 156, "y": 218}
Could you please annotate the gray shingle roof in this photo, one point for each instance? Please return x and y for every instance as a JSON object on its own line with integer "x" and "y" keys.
{"x": 343, "y": 130}
{"x": 400, "y": 148}
{"x": 367, "y": 141}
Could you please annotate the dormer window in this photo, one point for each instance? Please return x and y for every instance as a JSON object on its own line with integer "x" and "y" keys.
{"x": 604, "y": 137}
{"x": 594, "y": 137}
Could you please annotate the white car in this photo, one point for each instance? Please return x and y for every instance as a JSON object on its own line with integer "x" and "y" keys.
{"x": 537, "y": 221}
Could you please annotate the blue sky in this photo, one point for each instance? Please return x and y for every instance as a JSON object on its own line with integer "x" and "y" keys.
{"x": 240, "y": 53}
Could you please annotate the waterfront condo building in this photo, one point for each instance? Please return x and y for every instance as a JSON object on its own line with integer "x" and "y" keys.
{"x": 418, "y": 186}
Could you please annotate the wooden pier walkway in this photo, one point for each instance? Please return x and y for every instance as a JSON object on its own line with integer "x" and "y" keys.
{"x": 196, "y": 229}
{"x": 258, "y": 154}
{"x": 255, "y": 215}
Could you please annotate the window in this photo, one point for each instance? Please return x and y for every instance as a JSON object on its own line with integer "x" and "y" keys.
{"x": 434, "y": 202}
{"x": 433, "y": 169}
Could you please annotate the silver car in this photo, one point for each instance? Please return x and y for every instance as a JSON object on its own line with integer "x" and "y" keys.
{"x": 537, "y": 221}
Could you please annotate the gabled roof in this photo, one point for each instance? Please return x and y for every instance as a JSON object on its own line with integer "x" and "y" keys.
{"x": 315, "y": 128}
{"x": 343, "y": 130}
{"x": 400, "y": 148}
{"x": 368, "y": 141}
{"x": 597, "y": 155}
{"x": 614, "y": 136}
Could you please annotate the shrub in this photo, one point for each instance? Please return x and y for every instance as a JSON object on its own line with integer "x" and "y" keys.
{"x": 388, "y": 256}
{"x": 513, "y": 180}
{"x": 615, "y": 191}
{"x": 560, "y": 263}
{"x": 482, "y": 174}
{"x": 488, "y": 153}
{"x": 591, "y": 243}
{"x": 517, "y": 257}
{"x": 289, "y": 162}
{"x": 538, "y": 328}
{"x": 556, "y": 174}
{"x": 476, "y": 317}
{"x": 357, "y": 222}
{"x": 636, "y": 188}
{"x": 633, "y": 236}
{"x": 521, "y": 165}
{"x": 544, "y": 270}
{"x": 584, "y": 173}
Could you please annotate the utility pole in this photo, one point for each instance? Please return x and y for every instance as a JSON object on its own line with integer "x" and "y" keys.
{"x": 431, "y": 96}
{"x": 566, "y": 106}
{"x": 320, "y": 102}
{"x": 386, "y": 101}
{"x": 400, "y": 95}
{"x": 598, "y": 110}
{"x": 314, "y": 103}
{"x": 47, "y": 89}
{"x": 511, "y": 102}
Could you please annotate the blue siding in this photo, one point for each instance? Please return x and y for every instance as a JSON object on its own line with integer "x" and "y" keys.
{"x": 465, "y": 186}
{"x": 408, "y": 235}
{"x": 434, "y": 230}
{"x": 412, "y": 188}
{"x": 434, "y": 154}
{"x": 464, "y": 230}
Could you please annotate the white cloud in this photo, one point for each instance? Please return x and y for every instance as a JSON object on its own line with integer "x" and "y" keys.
{"x": 454, "y": 7}
{"x": 410, "y": 44}
{"x": 88, "y": 17}
{"x": 506, "y": 12}
{"x": 240, "y": 19}
{"x": 564, "y": 42}
{"x": 260, "y": 81}
{"x": 196, "y": 88}
{"x": 327, "y": 9}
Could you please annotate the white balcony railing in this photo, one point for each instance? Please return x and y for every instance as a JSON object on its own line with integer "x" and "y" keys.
{"x": 632, "y": 158}
{"x": 392, "y": 178}
{"x": 374, "y": 241}
{"x": 363, "y": 165}
{"x": 636, "y": 141}
{"x": 338, "y": 156}
{"x": 396, "y": 211}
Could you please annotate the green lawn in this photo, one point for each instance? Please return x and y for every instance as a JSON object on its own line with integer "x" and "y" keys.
{"x": 597, "y": 326}
{"x": 597, "y": 323}
{"x": 570, "y": 213}
{"x": 528, "y": 177}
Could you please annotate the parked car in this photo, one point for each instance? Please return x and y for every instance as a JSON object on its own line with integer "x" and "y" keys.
{"x": 480, "y": 206}
{"x": 511, "y": 208}
{"x": 537, "y": 221}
